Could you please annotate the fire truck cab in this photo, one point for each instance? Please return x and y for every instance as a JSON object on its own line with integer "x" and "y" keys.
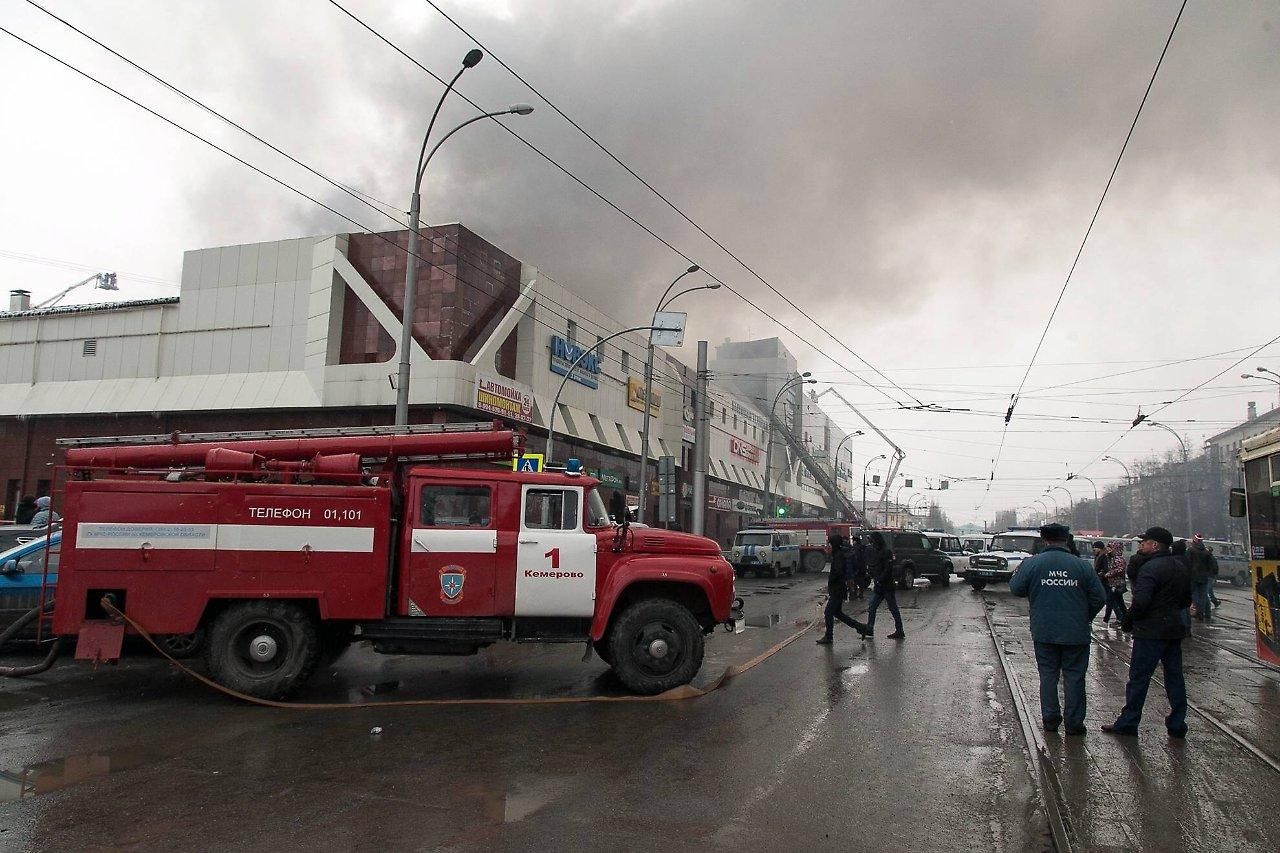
{"x": 282, "y": 549}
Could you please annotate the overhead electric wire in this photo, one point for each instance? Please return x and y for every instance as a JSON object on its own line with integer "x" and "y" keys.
{"x": 358, "y": 196}
{"x": 1013, "y": 401}
{"x": 665, "y": 200}
{"x": 611, "y": 204}
{"x": 363, "y": 228}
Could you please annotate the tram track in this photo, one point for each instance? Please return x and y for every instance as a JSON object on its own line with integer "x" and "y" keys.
{"x": 1039, "y": 763}
{"x": 1208, "y": 716}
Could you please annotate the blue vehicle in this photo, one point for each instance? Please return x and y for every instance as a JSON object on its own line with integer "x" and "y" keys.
{"x": 22, "y": 572}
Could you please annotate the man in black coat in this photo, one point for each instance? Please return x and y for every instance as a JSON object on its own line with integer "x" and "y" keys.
{"x": 842, "y": 571}
{"x": 880, "y": 565}
{"x": 1160, "y": 596}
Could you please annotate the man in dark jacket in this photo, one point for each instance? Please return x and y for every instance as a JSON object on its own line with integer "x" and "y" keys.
{"x": 1065, "y": 596}
{"x": 842, "y": 571}
{"x": 1203, "y": 568}
{"x": 1160, "y": 596}
{"x": 880, "y": 565}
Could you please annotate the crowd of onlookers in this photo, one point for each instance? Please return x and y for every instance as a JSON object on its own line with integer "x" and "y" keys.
{"x": 35, "y": 511}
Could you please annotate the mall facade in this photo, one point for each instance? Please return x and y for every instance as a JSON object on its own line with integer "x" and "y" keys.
{"x": 304, "y": 333}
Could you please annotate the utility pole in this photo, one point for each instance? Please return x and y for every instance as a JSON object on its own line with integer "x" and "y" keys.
{"x": 701, "y": 433}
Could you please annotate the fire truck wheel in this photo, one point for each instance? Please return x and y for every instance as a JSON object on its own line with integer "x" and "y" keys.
{"x": 264, "y": 648}
{"x": 603, "y": 651}
{"x": 814, "y": 561}
{"x": 183, "y": 646}
{"x": 656, "y": 645}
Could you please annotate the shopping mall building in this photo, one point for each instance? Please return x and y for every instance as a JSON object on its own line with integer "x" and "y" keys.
{"x": 304, "y": 333}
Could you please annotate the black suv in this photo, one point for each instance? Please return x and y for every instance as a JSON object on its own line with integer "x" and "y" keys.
{"x": 915, "y": 556}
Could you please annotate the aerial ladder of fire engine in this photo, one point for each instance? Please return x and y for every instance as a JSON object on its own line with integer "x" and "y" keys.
{"x": 898, "y": 453}
{"x": 101, "y": 280}
{"x": 843, "y": 505}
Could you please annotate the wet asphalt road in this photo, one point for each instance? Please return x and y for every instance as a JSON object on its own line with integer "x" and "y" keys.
{"x": 882, "y": 746}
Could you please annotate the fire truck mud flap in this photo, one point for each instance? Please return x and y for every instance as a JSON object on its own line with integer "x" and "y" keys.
{"x": 100, "y": 640}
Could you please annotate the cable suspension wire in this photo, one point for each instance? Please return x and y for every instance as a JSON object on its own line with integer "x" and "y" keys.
{"x": 612, "y": 205}
{"x": 1013, "y": 401}
{"x": 665, "y": 200}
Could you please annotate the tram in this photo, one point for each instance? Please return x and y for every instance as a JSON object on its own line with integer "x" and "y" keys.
{"x": 1259, "y": 503}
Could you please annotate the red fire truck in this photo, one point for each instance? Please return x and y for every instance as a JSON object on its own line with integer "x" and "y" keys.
{"x": 276, "y": 549}
{"x": 815, "y": 550}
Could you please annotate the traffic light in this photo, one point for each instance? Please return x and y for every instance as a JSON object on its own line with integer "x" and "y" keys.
{"x": 784, "y": 508}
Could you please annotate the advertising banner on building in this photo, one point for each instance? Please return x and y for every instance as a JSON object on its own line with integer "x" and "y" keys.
{"x": 564, "y": 354}
{"x": 506, "y": 398}
{"x": 720, "y": 502}
{"x": 635, "y": 397}
{"x": 744, "y": 449}
{"x": 608, "y": 477}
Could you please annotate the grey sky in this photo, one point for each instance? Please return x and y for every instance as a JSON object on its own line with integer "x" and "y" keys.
{"x": 916, "y": 175}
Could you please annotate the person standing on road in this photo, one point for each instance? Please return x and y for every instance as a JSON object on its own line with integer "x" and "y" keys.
{"x": 859, "y": 580}
{"x": 1113, "y": 580}
{"x": 44, "y": 514}
{"x": 880, "y": 566}
{"x": 842, "y": 567}
{"x": 1160, "y": 598}
{"x": 26, "y": 509}
{"x": 1065, "y": 596}
{"x": 1203, "y": 568}
{"x": 1101, "y": 562}
{"x": 1213, "y": 581}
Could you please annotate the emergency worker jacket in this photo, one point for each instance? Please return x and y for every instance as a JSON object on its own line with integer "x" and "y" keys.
{"x": 1065, "y": 595}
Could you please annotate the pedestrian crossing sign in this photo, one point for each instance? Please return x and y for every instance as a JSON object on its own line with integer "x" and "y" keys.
{"x": 530, "y": 463}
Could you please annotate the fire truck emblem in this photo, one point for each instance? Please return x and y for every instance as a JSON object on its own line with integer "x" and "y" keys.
{"x": 452, "y": 579}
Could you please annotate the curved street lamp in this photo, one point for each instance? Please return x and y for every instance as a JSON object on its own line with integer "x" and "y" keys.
{"x": 865, "y": 471}
{"x": 1267, "y": 378}
{"x": 1045, "y": 506}
{"x": 555, "y": 403}
{"x": 1071, "y": 502}
{"x": 1186, "y": 469}
{"x": 802, "y": 379}
{"x": 1097, "y": 525}
{"x": 471, "y": 60}
{"x": 1127, "y": 505}
{"x": 663, "y": 302}
{"x": 835, "y": 465}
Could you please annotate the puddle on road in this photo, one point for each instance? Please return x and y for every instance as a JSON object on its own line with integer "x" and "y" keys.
{"x": 50, "y": 776}
{"x": 763, "y": 620}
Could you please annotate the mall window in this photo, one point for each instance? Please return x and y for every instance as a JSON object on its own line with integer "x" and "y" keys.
{"x": 626, "y": 361}
{"x": 571, "y": 332}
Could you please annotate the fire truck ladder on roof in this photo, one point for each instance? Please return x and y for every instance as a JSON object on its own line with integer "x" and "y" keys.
{"x": 842, "y": 502}
{"x": 248, "y": 435}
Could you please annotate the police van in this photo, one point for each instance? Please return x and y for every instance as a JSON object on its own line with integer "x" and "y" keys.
{"x": 1005, "y": 554}
{"x": 761, "y": 551}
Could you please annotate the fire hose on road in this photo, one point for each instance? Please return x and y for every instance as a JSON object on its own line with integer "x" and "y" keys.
{"x": 12, "y": 631}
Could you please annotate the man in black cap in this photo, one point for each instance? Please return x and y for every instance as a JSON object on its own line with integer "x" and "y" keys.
{"x": 1161, "y": 594}
{"x": 1065, "y": 595}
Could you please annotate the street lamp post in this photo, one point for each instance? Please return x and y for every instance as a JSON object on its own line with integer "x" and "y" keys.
{"x": 1127, "y": 505}
{"x": 472, "y": 59}
{"x": 802, "y": 379}
{"x": 835, "y": 467}
{"x": 648, "y": 384}
{"x": 1071, "y": 503}
{"x": 1045, "y": 506}
{"x": 1097, "y": 524}
{"x": 1268, "y": 378}
{"x": 865, "y": 471}
{"x": 1056, "y": 512}
{"x": 1186, "y": 470}
{"x": 555, "y": 403}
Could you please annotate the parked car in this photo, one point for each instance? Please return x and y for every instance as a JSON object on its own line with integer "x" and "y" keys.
{"x": 916, "y": 556}
{"x": 1233, "y": 561}
{"x": 953, "y": 547}
{"x": 22, "y": 572}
